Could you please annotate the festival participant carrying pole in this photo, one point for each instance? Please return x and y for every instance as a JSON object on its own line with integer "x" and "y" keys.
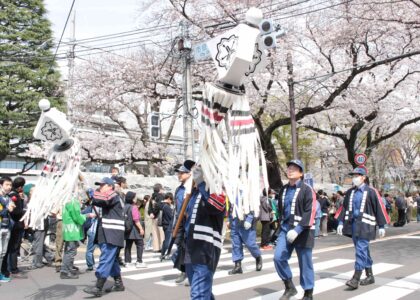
{"x": 189, "y": 184}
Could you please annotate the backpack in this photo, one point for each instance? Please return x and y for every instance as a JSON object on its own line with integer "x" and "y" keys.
{"x": 128, "y": 218}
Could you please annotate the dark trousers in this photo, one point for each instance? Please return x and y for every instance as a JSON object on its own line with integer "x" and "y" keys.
{"x": 401, "y": 217}
{"x": 167, "y": 230}
{"x": 39, "y": 248}
{"x": 70, "y": 251}
{"x": 265, "y": 233}
{"x": 9, "y": 263}
{"x": 127, "y": 251}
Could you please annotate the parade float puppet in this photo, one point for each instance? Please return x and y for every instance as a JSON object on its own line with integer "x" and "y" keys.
{"x": 231, "y": 152}
{"x": 58, "y": 182}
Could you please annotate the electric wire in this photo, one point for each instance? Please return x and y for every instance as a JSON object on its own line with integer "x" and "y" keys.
{"x": 62, "y": 33}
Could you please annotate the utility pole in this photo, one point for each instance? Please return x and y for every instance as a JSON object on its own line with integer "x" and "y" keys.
{"x": 184, "y": 47}
{"x": 290, "y": 84}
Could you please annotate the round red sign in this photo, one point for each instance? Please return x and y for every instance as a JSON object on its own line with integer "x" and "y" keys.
{"x": 360, "y": 159}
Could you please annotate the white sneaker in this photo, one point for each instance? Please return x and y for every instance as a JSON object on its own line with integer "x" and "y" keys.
{"x": 141, "y": 265}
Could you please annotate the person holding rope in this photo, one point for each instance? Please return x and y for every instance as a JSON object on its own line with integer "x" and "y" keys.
{"x": 202, "y": 214}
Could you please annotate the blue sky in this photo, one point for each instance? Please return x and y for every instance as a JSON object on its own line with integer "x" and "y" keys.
{"x": 94, "y": 17}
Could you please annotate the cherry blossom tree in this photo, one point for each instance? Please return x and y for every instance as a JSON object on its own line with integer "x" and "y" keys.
{"x": 356, "y": 67}
{"x": 398, "y": 160}
{"x": 110, "y": 102}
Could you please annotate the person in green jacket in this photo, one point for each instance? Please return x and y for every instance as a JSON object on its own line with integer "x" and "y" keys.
{"x": 73, "y": 222}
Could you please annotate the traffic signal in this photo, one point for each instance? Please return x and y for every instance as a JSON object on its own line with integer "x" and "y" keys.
{"x": 154, "y": 125}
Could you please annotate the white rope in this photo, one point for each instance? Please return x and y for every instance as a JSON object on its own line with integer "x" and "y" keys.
{"x": 56, "y": 185}
{"x": 231, "y": 156}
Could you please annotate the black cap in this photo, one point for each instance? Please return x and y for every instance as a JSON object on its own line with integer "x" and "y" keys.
{"x": 185, "y": 167}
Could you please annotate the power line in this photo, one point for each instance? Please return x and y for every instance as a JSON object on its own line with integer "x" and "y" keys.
{"x": 85, "y": 52}
{"x": 144, "y": 38}
{"x": 287, "y": 6}
{"x": 122, "y": 48}
{"x": 104, "y": 49}
{"x": 416, "y": 52}
{"x": 111, "y": 43}
{"x": 125, "y": 33}
{"x": 62, "y": 33}
{"x": 109, "y": 46}
{"x": 149, "y": 30}
{"x": 315, "y": 10}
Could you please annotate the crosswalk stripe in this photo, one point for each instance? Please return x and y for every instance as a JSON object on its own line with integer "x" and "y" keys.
{"x": 237, "y": 285}
{"x": 148, "y": 255}
{"x": 149, "y": 275}
{"x": 326, "y": 284}
{"x": 163, "y": 264}
{"x": 411, "y": 237}
{"x": 175, "y": 271}
{"x": 225, "y": 273}
{"x": 392, "y": 290}
{"x": 145, "y": 260}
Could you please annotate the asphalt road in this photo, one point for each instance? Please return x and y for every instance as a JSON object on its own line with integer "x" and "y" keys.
{"x": 396, "y": 266}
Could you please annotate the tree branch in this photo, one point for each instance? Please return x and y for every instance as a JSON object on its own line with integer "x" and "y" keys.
{"x": 391, "y": 134}
{"x": 395, "y": 86}
{"x": 415, "y": 3}
{"x": 130, "y": 159}
{"x": 306, "y": 111}
{"x": 319, "y": 130}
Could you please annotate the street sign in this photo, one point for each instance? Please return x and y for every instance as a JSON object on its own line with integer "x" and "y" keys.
{"x": 201, "y": 52}
{"x": 360, "y": 159}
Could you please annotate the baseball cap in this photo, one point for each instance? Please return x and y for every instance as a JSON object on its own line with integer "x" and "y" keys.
{"x": 105, "y": 180}
{"x": 185, "y": 167}
{"x": 296, "y": 162}
{"x": 359, "y": 170}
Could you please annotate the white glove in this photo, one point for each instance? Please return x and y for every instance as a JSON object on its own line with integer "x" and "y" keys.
{"x": 291, "y": 236}
{"x": 340, "y": 229}
{"x": 381, "y": 232}
{"x": 247, "y": 225}
{"x": 197, "y": 174}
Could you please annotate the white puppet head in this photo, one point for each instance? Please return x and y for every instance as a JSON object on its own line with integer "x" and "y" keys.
{"x": 52, "y": 125}
{"x": 236, "y": 52}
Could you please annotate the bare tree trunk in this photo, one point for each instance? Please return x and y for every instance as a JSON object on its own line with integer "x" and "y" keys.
{"x": 173, "y": 120}
{"x": 273, "y": 170}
